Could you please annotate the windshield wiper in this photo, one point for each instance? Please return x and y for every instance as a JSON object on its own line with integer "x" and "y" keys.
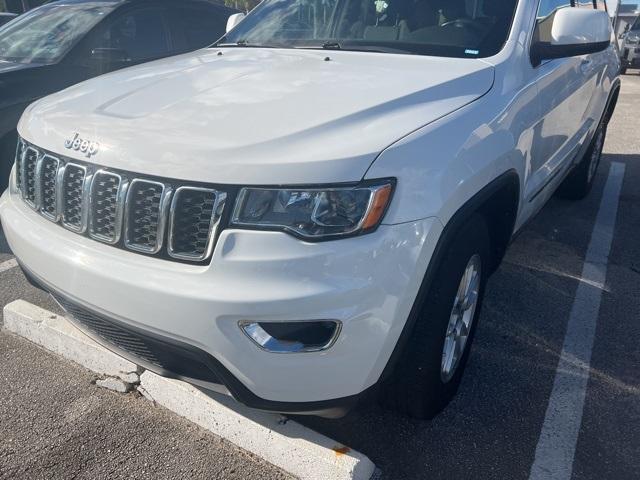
{"x": 246, "y": 44}
{"x": 354, "y": 47}
{"x": 332, "y": 45}
{"x": 239, "y": 43}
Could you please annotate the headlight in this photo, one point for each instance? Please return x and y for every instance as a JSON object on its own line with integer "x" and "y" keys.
{"x": 14, "y": 178}
{"x": 314, "y": 213}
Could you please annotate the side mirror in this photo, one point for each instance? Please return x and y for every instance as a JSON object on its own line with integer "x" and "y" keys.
{"x": 234, "y": 20}
{"x": 109, "y": 55}
{"x": 570, "y": 32}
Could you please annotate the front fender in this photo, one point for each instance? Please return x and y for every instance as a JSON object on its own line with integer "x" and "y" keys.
{"x": 442, "y": 166}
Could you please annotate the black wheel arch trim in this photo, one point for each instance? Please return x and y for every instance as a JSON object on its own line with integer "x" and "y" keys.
{"x": 509, "y": 178}
{"x": 612, "y": 101}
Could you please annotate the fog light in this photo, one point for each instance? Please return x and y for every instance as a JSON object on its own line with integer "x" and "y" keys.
{"x": 293, "y": 337}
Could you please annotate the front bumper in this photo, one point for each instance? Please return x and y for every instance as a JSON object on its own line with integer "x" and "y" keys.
{"x": 369, "y": 283}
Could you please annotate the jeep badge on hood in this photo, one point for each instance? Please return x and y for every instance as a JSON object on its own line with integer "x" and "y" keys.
{"x": 81, "y": 145}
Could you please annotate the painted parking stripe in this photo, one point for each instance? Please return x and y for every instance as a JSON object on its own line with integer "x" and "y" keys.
{"x": 556, "y": 446}
{"x": 8, "y": 265}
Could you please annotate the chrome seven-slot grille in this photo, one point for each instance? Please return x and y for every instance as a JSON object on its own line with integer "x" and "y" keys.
{"x": 120, "y": 208}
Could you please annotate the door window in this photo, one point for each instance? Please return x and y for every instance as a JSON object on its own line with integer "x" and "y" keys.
{"x": 196, "y": 28}
{"x": 546, "y": 13}
{"x": 588, "y": 4}
{"x": 139, "y": 35}
{"x": 193, "y": 28}
{"x": 549, "y": 7}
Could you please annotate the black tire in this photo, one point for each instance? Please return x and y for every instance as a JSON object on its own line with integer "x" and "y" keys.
{"x": 417, "y": 387}
{"x": 7, "y": 158}
{"x": 579, "y": 182}
{"x": 623, "y": 71}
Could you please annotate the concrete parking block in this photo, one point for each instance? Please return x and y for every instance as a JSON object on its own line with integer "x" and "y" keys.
{"x": 57, "y": 334}
{"x": 286, "y": 444}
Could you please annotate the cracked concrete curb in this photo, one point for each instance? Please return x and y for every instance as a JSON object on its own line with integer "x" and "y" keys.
{"x": 57, "y": 334}
{"x": 116, "y": 385}
{"x": 284, "y": 443}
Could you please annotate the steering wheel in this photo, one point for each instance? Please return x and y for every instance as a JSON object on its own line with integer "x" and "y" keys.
{"x": 462, "y": 23}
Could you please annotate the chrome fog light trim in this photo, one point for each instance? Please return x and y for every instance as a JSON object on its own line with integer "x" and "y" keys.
{"x": 258, "y": 334}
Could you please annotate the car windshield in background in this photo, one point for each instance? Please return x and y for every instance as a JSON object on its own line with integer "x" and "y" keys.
{"x": 452, "y": 28}
{"x": 46, "y": 34}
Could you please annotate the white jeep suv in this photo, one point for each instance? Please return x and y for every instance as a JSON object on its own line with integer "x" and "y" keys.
{"x": 307, "y": 212}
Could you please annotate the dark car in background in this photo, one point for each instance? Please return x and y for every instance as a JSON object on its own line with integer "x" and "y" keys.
{"x": 62, "y": 43}
{"x": 6, "y": 17}
{"x": 630, "y": 50}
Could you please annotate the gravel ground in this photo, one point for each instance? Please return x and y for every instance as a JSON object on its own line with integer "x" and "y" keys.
{"x": 56, "y": 424}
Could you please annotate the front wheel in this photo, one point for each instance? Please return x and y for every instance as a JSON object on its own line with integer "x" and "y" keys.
{"x": 430, "y": 370}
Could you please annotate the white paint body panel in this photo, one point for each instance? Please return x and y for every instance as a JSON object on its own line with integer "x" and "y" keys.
{"x": 444, "y": 128}
{"x": 246, "y": 116}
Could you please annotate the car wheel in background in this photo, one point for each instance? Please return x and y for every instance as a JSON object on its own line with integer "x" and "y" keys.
{"x": 430, "y": 369}
{"x": 579, "y": 182}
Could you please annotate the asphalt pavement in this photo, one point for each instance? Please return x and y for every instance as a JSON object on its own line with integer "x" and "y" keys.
{"x": 54, "y": 423}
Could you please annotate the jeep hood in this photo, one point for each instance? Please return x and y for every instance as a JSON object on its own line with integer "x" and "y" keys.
{"x": 256, "y": 116}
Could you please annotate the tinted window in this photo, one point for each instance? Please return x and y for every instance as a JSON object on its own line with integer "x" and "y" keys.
{"x": 4, "y": 19}
{"x": 17, "y": 6}
{"x": 457, "y": 28}
{"x": 197, "y": 28}
{"x": 46, "y": 34}
{"x": 139, "y": 35}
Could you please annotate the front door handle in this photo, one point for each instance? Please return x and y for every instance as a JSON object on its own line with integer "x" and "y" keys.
{"x": 586, "y": 65}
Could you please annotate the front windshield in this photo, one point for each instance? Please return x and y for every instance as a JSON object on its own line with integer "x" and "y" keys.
{"x": 636, "y": 25}
{"x": 46, "y": 34}
{"x": 453, "y": 28}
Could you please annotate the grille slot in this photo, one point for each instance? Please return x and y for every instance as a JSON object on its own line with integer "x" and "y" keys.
{"x": 145, "y": 216}
{"x": 72, "y": 197}
{"x": 47, "y": 180}
{"x": 107, "y": 202}
{"x": 29, "y": 167}
{"x": 195, "y": 213}
{"x": 119, "y": 209}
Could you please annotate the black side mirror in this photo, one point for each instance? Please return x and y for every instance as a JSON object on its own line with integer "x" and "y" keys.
{"x": 110, "y": 55}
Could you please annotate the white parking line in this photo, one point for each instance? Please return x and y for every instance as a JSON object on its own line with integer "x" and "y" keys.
{"x": 8, "y": 265}
{"x": 557, "y": 444}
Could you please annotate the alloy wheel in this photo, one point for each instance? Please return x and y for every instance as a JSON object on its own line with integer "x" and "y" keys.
{"x": 461, "y": 318}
